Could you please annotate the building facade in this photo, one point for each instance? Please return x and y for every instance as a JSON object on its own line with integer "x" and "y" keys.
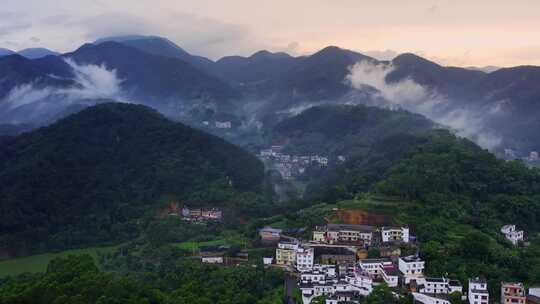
{"x": 478, "y": 291}
{"x": 512, "y": 293}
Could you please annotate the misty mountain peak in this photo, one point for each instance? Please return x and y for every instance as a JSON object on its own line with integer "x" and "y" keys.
{"x": 36, "y": 53}
{"x": 264, "y": 54}
{"x": 408, "y": 59}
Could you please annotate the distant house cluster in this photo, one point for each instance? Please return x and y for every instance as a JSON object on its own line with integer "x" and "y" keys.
{"x": 512, "y": 154}
{"x": 219, "y": 124}
{"x": 512, "y": 234}
{"x": 290, "y": 166}
{"x": 223, "y": 124}
{"x": 201, "y": 214}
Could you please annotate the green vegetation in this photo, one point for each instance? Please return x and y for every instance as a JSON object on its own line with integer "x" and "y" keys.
{"x": 38, "y": 263}
{"x": 90, "y": 178}
{"x": 345, "y": 130}
{"x": 76, "y": 279}
{"x": 232, "y": 238}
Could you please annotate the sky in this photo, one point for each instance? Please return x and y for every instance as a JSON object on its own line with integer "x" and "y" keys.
{"x": 450, "y": 32}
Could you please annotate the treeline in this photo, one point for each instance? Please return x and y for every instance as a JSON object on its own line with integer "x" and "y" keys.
{"x": 76, "y": 279}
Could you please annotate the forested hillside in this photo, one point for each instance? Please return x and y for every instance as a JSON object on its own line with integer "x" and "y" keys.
{"x": 87, "y": 178}
{"x": 344, "y": 129}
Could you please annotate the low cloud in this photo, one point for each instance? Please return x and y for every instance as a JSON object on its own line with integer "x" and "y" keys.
{"x": 411, "y": 96}
{"x": 90, "y": 82}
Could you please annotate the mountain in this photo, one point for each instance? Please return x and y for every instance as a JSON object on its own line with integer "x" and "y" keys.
{"x": 162, "y": 47}
{"x": 371, "y": 140}
{"x": 18, "y": 70}
{"x": 344, "y": 129}
{"x": 259, "y": 67}
{"x": 6, "y": 52}
{"x": 161, "y": 81}
{"x": 35, "y": 53}
{"x": 321, "y": 75}
{"x": 452, "y": 81}
{"x": 86, "y": 178}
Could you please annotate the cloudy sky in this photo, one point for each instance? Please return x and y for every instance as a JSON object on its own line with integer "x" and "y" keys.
{"x": 451, "y": 32}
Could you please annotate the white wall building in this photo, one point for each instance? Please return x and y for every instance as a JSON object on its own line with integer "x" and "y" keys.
{"x": 511, "y": 234}
{"x": 380, "y": 269}
{"x": 430, "y": 299}
{"x": 223, "y": 124}
{"x": 395, "y": 234}
{"x": 440, "y": 286}
{"x": 478, "y": 291}
{"x": 304, "y": 259}
{"x": 411, "y": 267}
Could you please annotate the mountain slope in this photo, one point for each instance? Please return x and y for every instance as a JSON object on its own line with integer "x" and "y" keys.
{"x": 36, "y": 53}
{"x": 320, "y": 75}
{"x": 16, "y": 70}
{"x": 344, "y": 129}
{"x": 84, "y": 179}
{"x": 6, "y": 52}
{"x": 261, "y": 66}
{"x": 160, "y": 80}
{"x": 447, "y": 80}
{"x": 162, "y": 47}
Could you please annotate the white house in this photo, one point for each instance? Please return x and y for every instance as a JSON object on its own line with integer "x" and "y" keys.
{"x": 534, "y": 291}
{"x": 223, "y": 124}
{"x": 395, "y": 234}
{"x": 304, "y": 259}
{"x": 268, "y": 260}
{"x": 440, "y": 286}
{"x": 380, "y": 269}
{"x": 512, "y": 234}
{"x": 478, "y": 291}
{"x": 341, "y": 233}
{"x": 212, "y": 259}
{"x": 430, "y": 299}
{"x": 411, "y": 267}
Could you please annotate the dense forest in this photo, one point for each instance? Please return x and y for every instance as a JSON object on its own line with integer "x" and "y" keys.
{"x": 87, "y": 178}
{"x": 78, "y": 280}
{"x": 344, "y": 129}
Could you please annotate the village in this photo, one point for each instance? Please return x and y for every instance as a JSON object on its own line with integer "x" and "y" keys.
{"x": 336, "y": 264}
{"x": 292, "y": 166}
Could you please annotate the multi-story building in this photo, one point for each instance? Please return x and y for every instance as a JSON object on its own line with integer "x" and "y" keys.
{"x": 340, "y": 233}
{"x": 319, "y": 234}
{"x": 380, "y": 269}
{"x": 511, "y": 234}
{"x": 439, "y": 286}
{"x": 430, "y": 298}
{"x": 286, "y": 253}
{"x": 395, "y": 234}
{"x": 512, "y": 293}
{"x": 304, "y": 259}
{"x": 478, "y": 291}
{"x": 533, "y": 295}
{"x": 411, "y": 268}
{"x": 269, "y": 234}
{"x": 336, "y": 255}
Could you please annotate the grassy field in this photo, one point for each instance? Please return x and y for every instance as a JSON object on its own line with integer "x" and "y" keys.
{"x": 226, "y": 238}
{"x": 38, "y": 263}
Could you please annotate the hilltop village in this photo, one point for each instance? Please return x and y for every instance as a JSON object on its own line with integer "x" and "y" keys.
{"x": 343, "y": 263}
